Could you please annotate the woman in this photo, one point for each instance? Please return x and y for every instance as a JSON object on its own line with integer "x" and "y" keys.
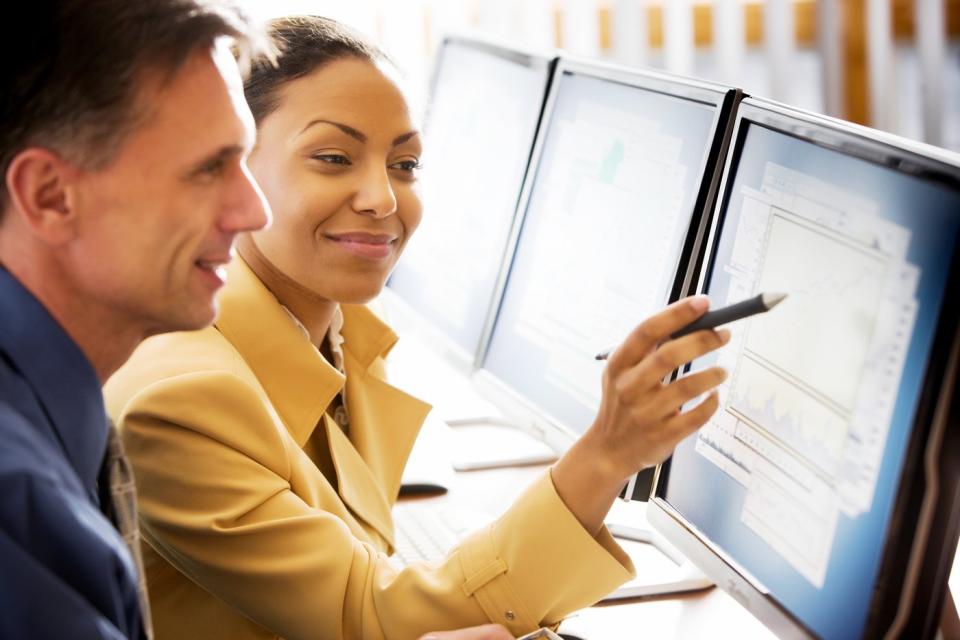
{"x": 268, "y": 449}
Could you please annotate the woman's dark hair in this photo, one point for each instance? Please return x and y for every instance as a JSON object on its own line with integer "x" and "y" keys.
{"x": 305, "y": 43}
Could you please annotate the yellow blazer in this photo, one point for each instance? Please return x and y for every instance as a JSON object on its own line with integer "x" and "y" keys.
{"x": 263, "y": 519}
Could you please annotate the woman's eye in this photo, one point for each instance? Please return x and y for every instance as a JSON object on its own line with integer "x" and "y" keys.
{"x": 408, "y": 166}
{"x": 332, "y": 158}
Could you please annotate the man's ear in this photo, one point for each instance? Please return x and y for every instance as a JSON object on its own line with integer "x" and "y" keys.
{"x": 40, "y": 187}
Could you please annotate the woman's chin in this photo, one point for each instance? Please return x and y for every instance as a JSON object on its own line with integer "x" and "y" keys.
{"x": 359, "y": 294}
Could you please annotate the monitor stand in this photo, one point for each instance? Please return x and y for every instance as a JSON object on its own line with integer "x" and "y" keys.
{"x": 491, "y": 442}
{"x": 467, "y": 444}
{"x": 662, "y": 569}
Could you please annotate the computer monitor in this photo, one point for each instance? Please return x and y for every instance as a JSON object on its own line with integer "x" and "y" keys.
{"x": 481, "y": 123}
{"x": 624, "y": 167}
{"x": 823, "y": 495}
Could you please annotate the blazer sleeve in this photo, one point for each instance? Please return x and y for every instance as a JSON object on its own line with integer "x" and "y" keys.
{"x": 215, "y": 501}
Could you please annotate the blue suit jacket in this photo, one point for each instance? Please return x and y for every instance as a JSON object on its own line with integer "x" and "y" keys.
{"x": 66, "y": 572}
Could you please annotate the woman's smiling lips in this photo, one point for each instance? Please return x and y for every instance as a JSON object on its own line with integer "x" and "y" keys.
{"x": 372, "y": 246}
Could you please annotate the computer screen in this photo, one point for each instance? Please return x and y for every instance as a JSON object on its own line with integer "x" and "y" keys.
{"x": 622, "y": 172}
{"x": 481, "y": 123}
{"x": 806, "y": 491}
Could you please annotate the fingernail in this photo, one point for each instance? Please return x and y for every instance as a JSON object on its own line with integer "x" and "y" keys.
{"x": 724, "y": 335}
{"x": 700, "y": 303}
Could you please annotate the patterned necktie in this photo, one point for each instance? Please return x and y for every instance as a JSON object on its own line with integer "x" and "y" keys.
{"x": 124, "y": 514}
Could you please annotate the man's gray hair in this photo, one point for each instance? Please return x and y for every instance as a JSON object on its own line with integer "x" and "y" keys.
{"x": 72, "y": 84}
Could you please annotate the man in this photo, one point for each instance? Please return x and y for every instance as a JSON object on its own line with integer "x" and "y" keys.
{"x": 123, "y": 138}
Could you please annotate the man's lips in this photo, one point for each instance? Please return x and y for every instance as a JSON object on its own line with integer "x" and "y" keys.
{"x": 215, "y": 266}
{"x": 211, "y": 261}
{"x": 211, "y": 265}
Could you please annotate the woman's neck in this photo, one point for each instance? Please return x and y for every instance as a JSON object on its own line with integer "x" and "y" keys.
{"x": 313, "y": 311}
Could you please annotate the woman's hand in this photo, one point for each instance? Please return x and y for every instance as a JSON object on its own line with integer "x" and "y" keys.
{"x": 484, "y": 632}
{"x": 639, "y": 422}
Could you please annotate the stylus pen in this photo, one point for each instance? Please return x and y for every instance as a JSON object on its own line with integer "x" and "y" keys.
{"x": 712, "y": 319}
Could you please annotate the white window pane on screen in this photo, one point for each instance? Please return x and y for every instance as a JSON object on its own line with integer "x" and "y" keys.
{"x": 931, "y": 45}
{"x": 678, "y": 36}
{"x": 780, "y": 46}
{"x": 580, "y": 27}
{"x": 268, "y": 10}
{"x": 527, "y": 24}
{"x": 729, "y": 40}
{"x": 629, "y": 32}
{"x": 449, "y": 16}
{"x": 403, "y": 36}
{"x": 829, "y": 34}
{"x": 909, "y": 94}
{"x": 535, "y": 23}
{"x": 806, "y": 85}
{"x": 951, "y": 125}
{"x": 495, "y": 18}
{"x": 881, "y": 66}
{"x": 359, "y": 14}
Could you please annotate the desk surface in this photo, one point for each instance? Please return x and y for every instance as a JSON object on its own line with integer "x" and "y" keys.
{"x": 698, "y": 615}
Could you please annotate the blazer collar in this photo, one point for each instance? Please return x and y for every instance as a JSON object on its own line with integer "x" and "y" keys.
{"x": 384, "y": 421}
{"x": 298, "y": 380}
{"x": 60, "y": 375}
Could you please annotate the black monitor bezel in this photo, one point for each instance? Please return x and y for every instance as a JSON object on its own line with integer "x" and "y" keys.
{"x": 722, "y": 98}
{"x": 910, "y": 586}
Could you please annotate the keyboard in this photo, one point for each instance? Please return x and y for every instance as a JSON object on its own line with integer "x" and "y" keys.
{"x": 426, "y": 531}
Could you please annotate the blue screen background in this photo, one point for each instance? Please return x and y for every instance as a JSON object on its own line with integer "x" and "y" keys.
{"x": 712, "y": 501}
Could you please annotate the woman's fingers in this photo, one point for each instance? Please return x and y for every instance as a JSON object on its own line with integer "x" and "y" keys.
{"x": 647, "y": 376}
{"x": 674, "y": 354}
{"x": 655, "y": 329}
{"x": 639, "y": 421}
{"x": 681, "y": 391}
{"x": 685, "y": 423}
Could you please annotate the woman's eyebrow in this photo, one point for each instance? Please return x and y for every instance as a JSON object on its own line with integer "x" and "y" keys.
{"x": 347, "y": 129}
{"x": 358, "y": 135}
{"x": 404, "y": 138}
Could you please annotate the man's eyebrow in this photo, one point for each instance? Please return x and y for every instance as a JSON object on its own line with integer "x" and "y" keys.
{"x": 221, "y": 155}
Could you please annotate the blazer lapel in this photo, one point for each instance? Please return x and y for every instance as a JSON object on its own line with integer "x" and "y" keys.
{"x": 357, "y": 486}
{"x": 384, "y": 421}
{"x": 296, "y": 378}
